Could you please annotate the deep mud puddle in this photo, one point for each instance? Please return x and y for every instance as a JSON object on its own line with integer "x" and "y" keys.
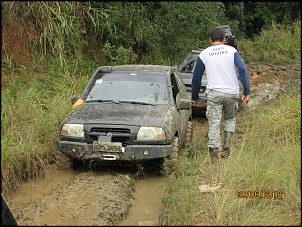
{"x": 84, "y": 198}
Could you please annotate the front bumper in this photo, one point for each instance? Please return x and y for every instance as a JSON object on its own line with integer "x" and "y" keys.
{"x": 131, "y": 153}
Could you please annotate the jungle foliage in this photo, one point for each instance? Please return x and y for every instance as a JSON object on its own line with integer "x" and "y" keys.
{"x": 120, "y": 32}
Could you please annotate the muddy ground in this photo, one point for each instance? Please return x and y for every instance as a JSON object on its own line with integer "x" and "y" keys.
{"x": 89, "y": 198}
{"x": 100, "y": 198}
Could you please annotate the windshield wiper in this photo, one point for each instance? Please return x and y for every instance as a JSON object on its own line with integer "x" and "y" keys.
{"x": 136, "y": 102}
{"x": 104, "y": 100}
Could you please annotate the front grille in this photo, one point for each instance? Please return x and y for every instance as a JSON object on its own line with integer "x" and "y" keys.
{"x": 106, "y": 130}
{"x": 122, "y": 135}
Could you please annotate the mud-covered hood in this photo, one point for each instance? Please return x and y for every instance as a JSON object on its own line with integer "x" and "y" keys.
{"x": 123, "y": 114}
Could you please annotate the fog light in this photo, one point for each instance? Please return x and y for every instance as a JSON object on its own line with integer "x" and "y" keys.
{"x": 145, "y": 152}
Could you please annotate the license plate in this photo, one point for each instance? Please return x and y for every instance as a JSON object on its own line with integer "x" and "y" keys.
{"x": 107, "y": 146}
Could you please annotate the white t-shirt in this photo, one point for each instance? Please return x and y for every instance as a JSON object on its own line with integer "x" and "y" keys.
{"x": 220, "y": 68}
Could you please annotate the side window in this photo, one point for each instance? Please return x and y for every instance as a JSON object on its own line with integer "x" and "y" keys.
{"x": 175, "y": 88}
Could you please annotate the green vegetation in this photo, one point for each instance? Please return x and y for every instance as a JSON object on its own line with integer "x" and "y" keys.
{"x": 32, "y": 109}
{"x": 137, "y": 32}
{"x": 58, "y": 47}
{"x": 277, "y": 44}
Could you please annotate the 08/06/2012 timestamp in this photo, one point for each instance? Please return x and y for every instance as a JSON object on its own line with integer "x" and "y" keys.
{"x": 259, "y": 194}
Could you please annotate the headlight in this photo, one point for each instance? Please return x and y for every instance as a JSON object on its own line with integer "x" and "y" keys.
{"x": 73, "y": 130}
{"x": 151, "y": 133}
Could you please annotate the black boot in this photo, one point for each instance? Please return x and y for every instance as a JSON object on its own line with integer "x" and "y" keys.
{"x": 213, "y": 152}
{"x": 227, "y": 143}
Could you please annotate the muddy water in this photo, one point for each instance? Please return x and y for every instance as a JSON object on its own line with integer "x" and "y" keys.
{"x": 24, "y": 203}
{"x": 80, "y": 197}
{"x": 145, "y": 208}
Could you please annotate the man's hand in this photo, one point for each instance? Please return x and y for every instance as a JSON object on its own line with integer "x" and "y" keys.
{"x": 245, "y": 99}
{"x": 194, "y": 102}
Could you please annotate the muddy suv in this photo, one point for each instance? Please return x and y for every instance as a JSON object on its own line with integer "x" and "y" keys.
{"x": 128, "y": 115}
{"x": 230, "y": 39}
{"x": 186, "y": 70}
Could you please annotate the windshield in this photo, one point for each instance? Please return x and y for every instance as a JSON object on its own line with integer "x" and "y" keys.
{"x": 226, "y": 29}
{"x": 132, "y": 90}
{"x": 188, "y": 65}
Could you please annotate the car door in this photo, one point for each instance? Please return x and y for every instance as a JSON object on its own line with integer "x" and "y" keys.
{"x": 179, "y": 91}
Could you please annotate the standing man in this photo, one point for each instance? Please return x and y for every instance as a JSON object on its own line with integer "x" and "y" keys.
{"x": 220, "y": 62}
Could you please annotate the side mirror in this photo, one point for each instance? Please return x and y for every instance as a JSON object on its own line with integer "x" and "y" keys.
{"x": 183, "y": 104}
{"x": 74, "y": 98}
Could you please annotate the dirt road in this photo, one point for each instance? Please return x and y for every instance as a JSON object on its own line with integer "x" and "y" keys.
{"x": 96, "y": 196}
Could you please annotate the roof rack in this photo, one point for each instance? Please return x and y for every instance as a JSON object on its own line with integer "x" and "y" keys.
{"x": 197, "y": 50}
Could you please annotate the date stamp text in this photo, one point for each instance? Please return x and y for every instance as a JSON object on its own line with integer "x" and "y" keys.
{"x": 259, "y": 194}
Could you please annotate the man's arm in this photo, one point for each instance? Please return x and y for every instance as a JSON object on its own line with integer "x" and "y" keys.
{"x": 243, "y": 74}
{"x": 196, "y": 80}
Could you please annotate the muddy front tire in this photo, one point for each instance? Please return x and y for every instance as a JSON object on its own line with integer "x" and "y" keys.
{"x": 189, "y": 135}
{"x": 170, "y": 162}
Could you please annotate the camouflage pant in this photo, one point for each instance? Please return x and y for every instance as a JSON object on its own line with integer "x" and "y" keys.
{"x": 218, "y": 104}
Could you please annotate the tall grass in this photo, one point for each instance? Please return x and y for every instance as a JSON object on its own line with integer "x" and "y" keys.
{"x": 277, "y": 44}
{"x": 32, "y": 109}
